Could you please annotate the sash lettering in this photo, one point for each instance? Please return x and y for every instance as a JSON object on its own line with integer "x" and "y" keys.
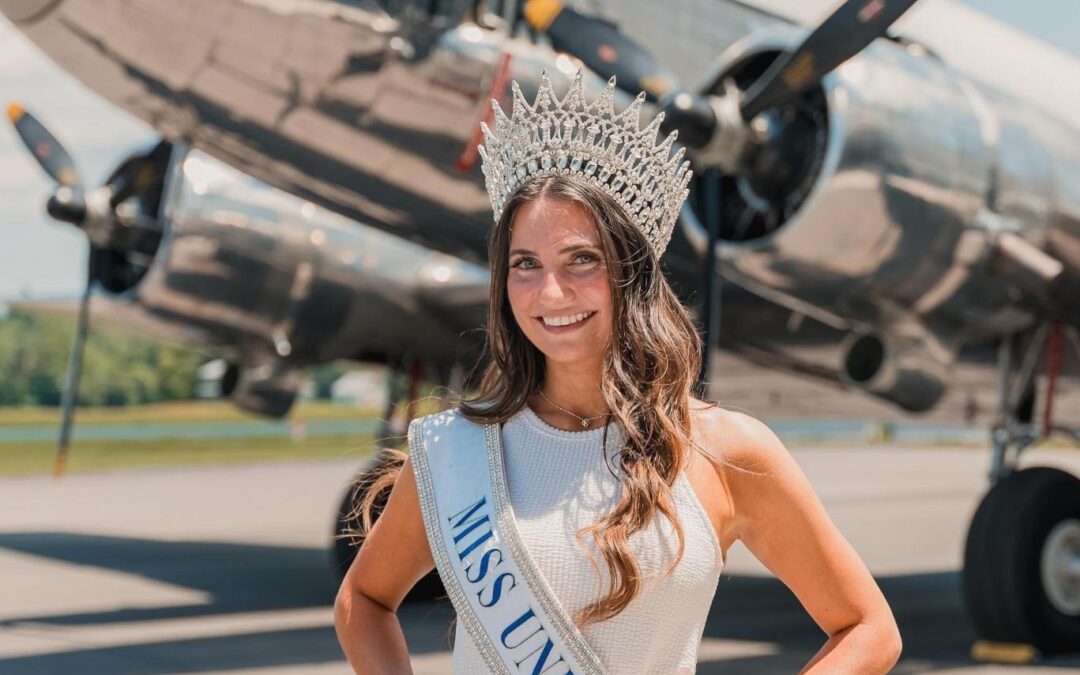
{"x": 471, "y": 528}
{"x": 472, "y": 525}
{"x": 497, "y": 591}
{"x": 545, "y": 644}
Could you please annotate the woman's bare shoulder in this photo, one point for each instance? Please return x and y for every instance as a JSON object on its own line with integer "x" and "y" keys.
{"x": 734, "y": 436}
{"x": 756, "y": 469}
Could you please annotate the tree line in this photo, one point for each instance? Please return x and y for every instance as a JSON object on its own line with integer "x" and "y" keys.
{"x": 118, "y": 369}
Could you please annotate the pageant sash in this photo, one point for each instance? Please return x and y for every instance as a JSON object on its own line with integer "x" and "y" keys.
{"x": 505, "y": 604}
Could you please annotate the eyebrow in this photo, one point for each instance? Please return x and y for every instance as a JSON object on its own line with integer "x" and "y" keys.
{"x": 565, "y": 249}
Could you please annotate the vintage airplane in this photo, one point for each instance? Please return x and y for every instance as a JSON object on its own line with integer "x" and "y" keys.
{"x": 881, "y": 203}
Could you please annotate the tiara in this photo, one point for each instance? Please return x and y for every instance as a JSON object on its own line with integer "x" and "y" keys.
{"x": 588, "y": 139}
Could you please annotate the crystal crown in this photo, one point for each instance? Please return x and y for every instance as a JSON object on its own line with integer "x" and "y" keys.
{"x": 590, "y": 140}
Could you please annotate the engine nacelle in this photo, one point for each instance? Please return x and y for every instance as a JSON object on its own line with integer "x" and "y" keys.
{"x": 262, "y": 277}
{"x": 884, "y": 198}
{"x": 910, "y": 373}
{"x": 269, "y": 390}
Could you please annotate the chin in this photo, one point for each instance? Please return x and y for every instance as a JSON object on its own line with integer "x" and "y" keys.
{"x": 562, "y": 356}
{"x": 585, "y": 348}
{"x": 578, "y": 354}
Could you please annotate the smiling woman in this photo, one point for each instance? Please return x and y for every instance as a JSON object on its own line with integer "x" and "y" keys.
{"x": 558, "y": 284}
{"x": 566, "y": 548}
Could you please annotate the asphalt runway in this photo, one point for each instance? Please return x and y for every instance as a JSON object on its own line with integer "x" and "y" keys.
{"x": 226, "y": 570}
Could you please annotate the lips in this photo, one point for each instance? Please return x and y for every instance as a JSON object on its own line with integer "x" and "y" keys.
{"x": 565, "y": 327}
{"x": 565, "y": 320}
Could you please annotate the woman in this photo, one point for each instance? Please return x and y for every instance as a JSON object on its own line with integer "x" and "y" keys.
{"x": 624, "y": 491}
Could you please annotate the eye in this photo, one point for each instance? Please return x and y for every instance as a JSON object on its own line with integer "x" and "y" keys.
{"x": 524, "y": 264}
{"x": 588, "y": 258}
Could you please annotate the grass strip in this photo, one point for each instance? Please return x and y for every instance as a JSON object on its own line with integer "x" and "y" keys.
{"x": 177, "y": 411}
{"x": 17, "y": 459}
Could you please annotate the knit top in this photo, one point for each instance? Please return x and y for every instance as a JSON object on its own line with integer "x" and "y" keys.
{"x": 558, "y": 482}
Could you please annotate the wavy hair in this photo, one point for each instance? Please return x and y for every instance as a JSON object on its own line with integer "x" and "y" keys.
{"x": 648, "y": 372}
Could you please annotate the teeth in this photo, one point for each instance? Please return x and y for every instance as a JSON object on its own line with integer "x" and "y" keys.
{"x": 565, "y": 320}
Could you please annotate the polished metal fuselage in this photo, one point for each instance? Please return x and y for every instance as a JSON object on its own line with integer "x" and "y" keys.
{"x": 371, "y": 110}
{"x": 263, "y": 276}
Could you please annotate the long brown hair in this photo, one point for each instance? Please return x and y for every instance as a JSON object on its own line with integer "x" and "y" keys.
{"x": 648, "y": 371}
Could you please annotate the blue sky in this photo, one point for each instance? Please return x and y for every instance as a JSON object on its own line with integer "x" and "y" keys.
{"x": 40, "y": 258}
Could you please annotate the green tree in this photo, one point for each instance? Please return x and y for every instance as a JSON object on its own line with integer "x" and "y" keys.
{"x": 13, "y": 389}
{"x": 118, "y": 368}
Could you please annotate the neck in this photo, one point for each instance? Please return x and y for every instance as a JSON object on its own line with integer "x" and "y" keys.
{"x": 574, "y": 388}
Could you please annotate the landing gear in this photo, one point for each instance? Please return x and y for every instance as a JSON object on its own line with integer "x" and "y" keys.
{"x": 1021, "y": 578}
{"x": 346, "y": 544}
{"x": 1022, "y": 561}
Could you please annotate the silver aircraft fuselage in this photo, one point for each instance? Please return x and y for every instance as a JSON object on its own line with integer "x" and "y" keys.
{"x": 933, "y": 158}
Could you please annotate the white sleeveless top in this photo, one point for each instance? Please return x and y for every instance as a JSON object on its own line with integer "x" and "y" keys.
{"x": 558, "y": 482}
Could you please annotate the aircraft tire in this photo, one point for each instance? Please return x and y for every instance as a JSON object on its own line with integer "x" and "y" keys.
{"x": 1024, "y": 530}
{"x": 344, "y": 548}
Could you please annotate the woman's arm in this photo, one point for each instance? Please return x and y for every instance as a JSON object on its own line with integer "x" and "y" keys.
{"x": 782, "y": 522}
{"x": 394, "y": 556}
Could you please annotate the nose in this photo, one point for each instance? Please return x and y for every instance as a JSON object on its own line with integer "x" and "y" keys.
{"x": 553, "y": 289}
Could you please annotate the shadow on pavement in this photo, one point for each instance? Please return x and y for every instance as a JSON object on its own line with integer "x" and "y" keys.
{"x": 244, "y": 578}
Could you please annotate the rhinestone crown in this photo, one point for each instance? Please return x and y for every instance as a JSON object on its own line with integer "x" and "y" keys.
{"x": 591, "y": 140}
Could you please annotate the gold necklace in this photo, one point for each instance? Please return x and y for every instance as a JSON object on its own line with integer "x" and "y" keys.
{"x": 585, "y": 421}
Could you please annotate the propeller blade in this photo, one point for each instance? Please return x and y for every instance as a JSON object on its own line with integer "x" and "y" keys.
{"x": 48, "y": 152}
{"x": 71, "y": 385}
{"x": 711, "y": 280}
{"x": 851, "y": 27}
{"x": 139, "y": 172}
{"x": 601, "y": 47}
{"x": 606, "y": 51}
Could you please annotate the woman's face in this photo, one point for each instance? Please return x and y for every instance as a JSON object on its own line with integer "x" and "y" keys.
{"x": 557, "y": 281}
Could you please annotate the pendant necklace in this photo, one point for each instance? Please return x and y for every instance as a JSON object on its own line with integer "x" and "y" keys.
{"x": 585, "y": 421}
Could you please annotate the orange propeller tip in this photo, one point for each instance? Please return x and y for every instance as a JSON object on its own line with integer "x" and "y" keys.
{"x": 59, "y": 466}
{"x": 15, "y": 111}
{"x": 540, "y": 14}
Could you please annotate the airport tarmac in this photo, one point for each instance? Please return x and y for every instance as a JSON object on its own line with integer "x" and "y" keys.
{"x": 226, "y": 570}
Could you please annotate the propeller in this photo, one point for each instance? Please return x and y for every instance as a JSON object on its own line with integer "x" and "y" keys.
{"x": 603, "y": 48}
{"x": 849, "y": 29}
{"x": 718, "y": 126}
{"x": 66, "y": 204}
{"x": 110, "y": 236}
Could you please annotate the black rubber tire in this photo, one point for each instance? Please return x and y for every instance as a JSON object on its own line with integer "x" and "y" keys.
{"x": 1002, "y": 582}
{"x": 429, "y": 587}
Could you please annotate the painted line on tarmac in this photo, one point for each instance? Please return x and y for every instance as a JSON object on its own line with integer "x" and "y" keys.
{"x": 21, "y": 639}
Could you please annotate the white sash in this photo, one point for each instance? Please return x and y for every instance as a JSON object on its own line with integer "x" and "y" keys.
{"x": 500, "y": 597}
